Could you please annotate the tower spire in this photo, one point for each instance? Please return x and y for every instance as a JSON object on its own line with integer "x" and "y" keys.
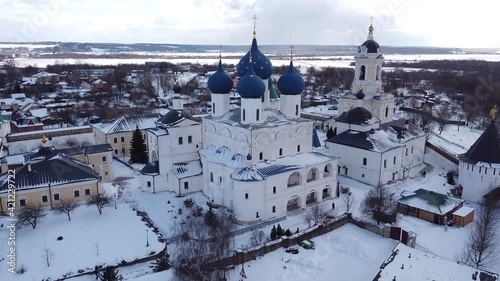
{"x": 291, "y": 52}
{"x": 254, "y": 25}
{"x": 220, "y": 51}
{"x": 370, "y": 29}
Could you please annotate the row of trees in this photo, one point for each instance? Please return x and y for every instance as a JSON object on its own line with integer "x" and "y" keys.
{"x": 31, "y": 214}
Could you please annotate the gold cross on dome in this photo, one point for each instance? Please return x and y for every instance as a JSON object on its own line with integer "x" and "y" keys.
{"x": 291, "y": 52}
{"x": 220, "y": 51}
{"x": 493, "y": 112}
{"x": 371, "y": 20}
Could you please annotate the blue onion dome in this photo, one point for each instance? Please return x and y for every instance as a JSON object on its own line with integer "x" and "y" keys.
{"x": 220, "y": 82}
{"x": 291, "y": 83}
{"x": 177, "y": 88}
{"x": 250, "y": 86}
{"x": 261, "y": 64}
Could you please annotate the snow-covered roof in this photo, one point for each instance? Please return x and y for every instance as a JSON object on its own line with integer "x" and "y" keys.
{"x": 50, "y": 172}
{"x": 271, "y": 117}
{"x": 388, "y": 136}
{"x": 129, "y": 123}
{"x": 224, "y": 155}
{"x": 429, "y": 201}
{"x": 15, "y": 159}
{"x": 44, "y": 74}
{"x": 40, "y": 112}
{"x": 187, "y": 169}
{"x": 409, "y": 264}
{"x": 464, "y": 211}
{"x": 18, "y": 96}
{"x": 264, "y": 169}
{"x": 247, "y": 174}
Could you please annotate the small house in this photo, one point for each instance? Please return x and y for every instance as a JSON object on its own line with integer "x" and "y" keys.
{"x": 428, "y": 205}
{"x": 463, "y": 216}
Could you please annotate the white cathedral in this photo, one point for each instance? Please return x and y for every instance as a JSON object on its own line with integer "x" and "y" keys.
{"x": 258, "y": 160}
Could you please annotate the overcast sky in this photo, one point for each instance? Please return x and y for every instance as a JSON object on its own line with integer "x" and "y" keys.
{"x": 440, "y": 23}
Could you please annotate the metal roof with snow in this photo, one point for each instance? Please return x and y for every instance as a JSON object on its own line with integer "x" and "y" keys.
{"x": 57, "y": 170}
{"x": 129, "y": 123}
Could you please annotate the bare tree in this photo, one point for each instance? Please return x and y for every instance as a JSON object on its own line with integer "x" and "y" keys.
{"x": 146, "y": 81}
{"x": 379, "y": 203}
{"x": 47, "y": 255}
{"x": 199, "y": 244}
{"x": 71, "y": 142}
{"x": 258, "y": 237}
{"x": 66, "y": 206}
{"x": 100, "y": 201}
{"x": 12, "y": 68}
{"x": 443, "y": 114}
{"x": 349, "y": 202}
{"x": 317, "y": 214}
{"x": 482, "y": 245}
{"x": 30, "y": 215}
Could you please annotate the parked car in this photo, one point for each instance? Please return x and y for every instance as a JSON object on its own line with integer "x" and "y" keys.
{"x": 307, "y": 244}
{"x": 292, "y": 250}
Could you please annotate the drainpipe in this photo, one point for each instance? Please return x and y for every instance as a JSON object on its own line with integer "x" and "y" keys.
{"x": 380, "y": 173}
{"x": 50, "y": 196}
{"x": 1, "y": 206}
{"x": 154, "y": 189}
{"x": 97, "y": 184}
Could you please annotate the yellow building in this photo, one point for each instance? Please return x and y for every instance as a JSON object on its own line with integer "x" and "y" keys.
{"x": 47, "y": 182}
{"x": 119, "y": 133}
{"x": 98, "y": 156}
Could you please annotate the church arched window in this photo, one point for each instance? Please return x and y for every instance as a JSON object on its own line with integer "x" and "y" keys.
{"x": 387, "y": 111}
{"x": 362, "y": 73}
{"x": 257, "y": 115}
{"x": 296, "y": 109}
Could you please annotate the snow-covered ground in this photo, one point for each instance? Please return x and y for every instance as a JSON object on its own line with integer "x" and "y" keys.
{"x": 88, "y": 239}
{"x": 347, "y": 253}
{"x": 455, "y": 140}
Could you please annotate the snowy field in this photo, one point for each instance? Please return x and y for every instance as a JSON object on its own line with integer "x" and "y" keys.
{"x": 327, "y": 61}
{"x": 453, "y": 139}
{"x": 347, "y": 253}
{"x": 119, "y": 234}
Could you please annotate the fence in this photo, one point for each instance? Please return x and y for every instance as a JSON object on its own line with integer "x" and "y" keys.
{"x": 241, "y": 231}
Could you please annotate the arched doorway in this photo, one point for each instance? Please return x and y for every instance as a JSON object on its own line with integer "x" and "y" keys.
{"x": 311, "y": 197}
{"x": 293, "y": 204}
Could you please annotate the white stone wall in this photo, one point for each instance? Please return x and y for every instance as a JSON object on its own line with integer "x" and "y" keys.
{"x": 477, "y": 181}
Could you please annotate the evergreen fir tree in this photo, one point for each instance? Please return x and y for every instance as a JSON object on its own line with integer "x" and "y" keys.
{"x": 279, "y": 231}
{"x": 273, "y": 233}
{"x": 329, "y": 133}
{"x": 288, "y": 233}
{"x": 138, "y": 148}
{"x": 110, "y": 274}
{"x": 210, "y": 217}
{"x": 162, "y": 263}
{"x": 297, "y": 231}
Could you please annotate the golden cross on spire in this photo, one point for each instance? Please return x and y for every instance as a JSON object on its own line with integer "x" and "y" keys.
{"x": 220, "y": 51}
{"x": 254, "y": 24}
{"x": 291, "y": 52}
{"x": 370, "y": 29}
{"x": 493, "y": 112}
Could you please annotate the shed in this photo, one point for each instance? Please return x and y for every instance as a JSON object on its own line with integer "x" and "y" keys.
{"x": 463, "y": 216}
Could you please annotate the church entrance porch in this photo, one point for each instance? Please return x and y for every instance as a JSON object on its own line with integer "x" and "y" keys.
{"x": 326, "y": 192}
{"x": 293, "y": 204}
{"x": 311, "y": 198}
